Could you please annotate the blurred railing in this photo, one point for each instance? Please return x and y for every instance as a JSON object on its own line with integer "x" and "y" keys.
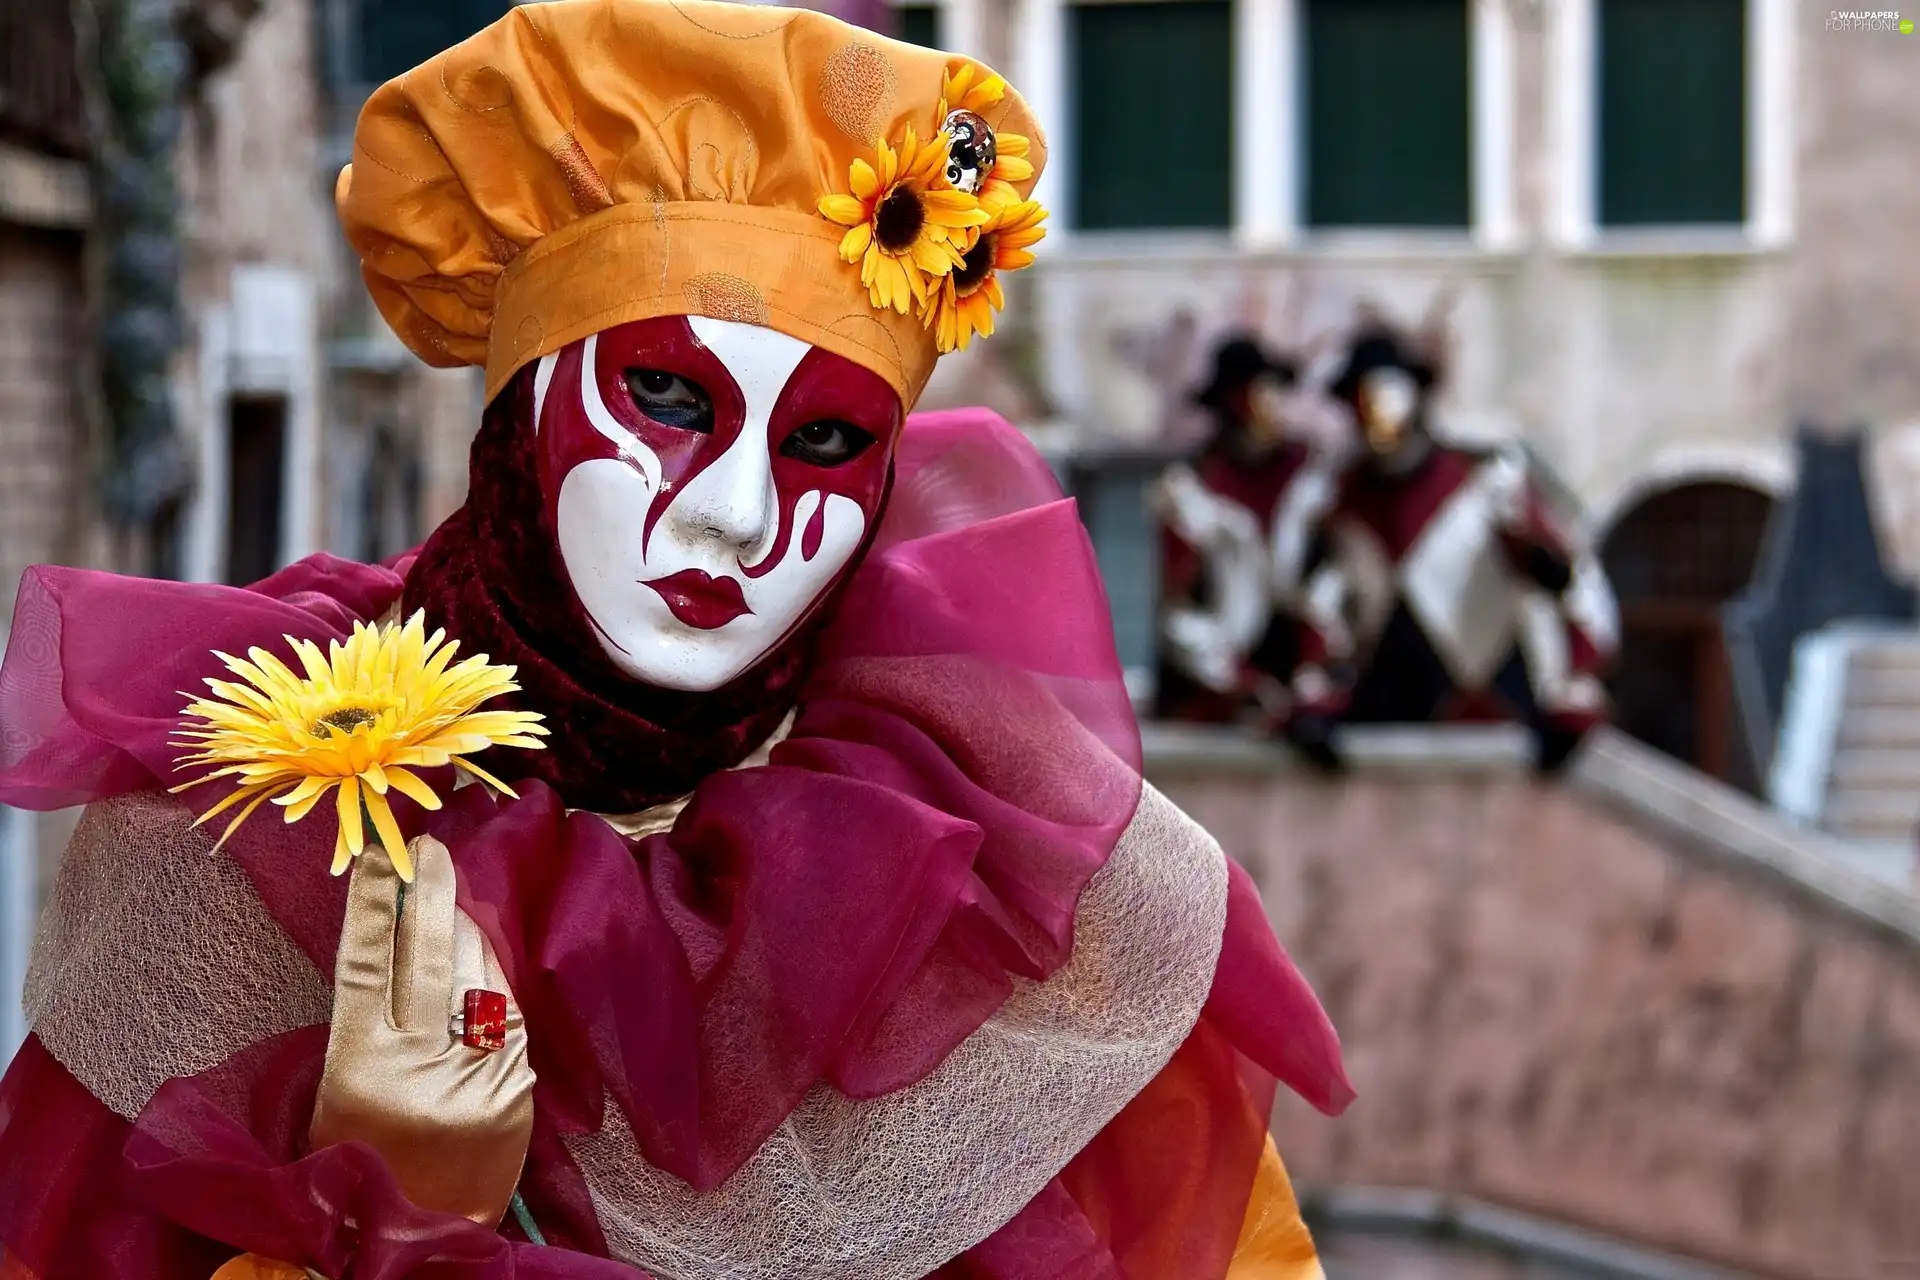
{"x": 18, "y": 907}
{"x": 17, "y": 910}
{"x": 40, "y": 104}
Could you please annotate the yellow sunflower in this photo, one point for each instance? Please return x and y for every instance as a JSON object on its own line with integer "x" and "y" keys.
{"x": 1010, "y": 165}
{"x": 966, "y": 299}
{"x": 960, "y": 92}
{"x": 370, "y": 712}
{"x": 905, "y": 224}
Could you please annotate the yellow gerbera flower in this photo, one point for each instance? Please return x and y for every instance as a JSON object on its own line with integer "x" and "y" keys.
{"x": 367, "y": 714}
{"x": 959, "y": 92}
{"x": 905, "y": 224}
{"x": 967, "y": 298}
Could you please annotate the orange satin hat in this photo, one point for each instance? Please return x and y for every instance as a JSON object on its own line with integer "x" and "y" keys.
{"x": 586, "y": 163}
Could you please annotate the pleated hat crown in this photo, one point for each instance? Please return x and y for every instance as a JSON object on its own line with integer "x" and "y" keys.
{"x": 587, "y": 163}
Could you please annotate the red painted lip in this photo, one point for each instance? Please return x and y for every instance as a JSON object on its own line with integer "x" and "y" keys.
{"x": 700, "y": 599}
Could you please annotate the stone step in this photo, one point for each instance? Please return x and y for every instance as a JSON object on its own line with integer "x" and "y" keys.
{"x": 1881, "y": 836}
{"x": 1894, "y": 686}
{"x": 1902, "y": 656}
{"x": 1857, "y": 812}
{"x": 1879, "y": 727}
{"x": 1868, "y": 768}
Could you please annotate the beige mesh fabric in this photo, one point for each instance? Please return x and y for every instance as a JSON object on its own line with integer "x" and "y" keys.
{"x": 893, "y": 1187}
{"x": 885, "y": 1188}
{"x": 156, "y": 958}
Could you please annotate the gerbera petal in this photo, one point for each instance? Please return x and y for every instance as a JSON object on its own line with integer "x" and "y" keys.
{"x": 307, "y": 803}
{"x": 390, "y": 838}
{"x": 232, "y": 798}
{"x": 486, "y": 777}
{"x": 347, "y": 806}
{"x": 863, "y": 180}
{"x": 409, "y": 784}
{"x": 309, "y": 788}
{"x": 341, "y": 854}
{"x": 311, "y": 658}
{"x": 259, "y": 799}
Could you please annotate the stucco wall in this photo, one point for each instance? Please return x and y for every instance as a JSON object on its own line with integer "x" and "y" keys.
{"x": 1855, "y": 353}
{"x": 1549, "y": 1006}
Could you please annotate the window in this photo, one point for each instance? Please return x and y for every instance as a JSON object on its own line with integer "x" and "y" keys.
{"x": 1388, "y": 109}
{"x": 395, "y": 36}
{"x": 256, "y": 475}
{"x": 1152, "y": 114}
{"x": 920, "y": 24}
{"x": 1672, "y": 112}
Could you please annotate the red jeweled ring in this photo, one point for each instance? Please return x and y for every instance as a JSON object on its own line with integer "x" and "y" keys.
{"x": 483, "y": 1022}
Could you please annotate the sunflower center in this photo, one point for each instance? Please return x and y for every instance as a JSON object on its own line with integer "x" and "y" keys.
{"x": 978, "y": 265}
{"x": 898, "y": 221}
{"x": 346, "y": 720}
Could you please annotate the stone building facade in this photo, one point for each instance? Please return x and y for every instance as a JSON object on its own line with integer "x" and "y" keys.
{"x": 1636, "y": 355}
{"x": 1660, "y": 238}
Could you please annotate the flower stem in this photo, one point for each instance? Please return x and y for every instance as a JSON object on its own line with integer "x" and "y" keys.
{"x": 525, "y": 1219}
{"x": 400, "y": 893}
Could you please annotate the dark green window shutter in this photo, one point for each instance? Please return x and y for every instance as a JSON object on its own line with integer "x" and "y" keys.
{"x": 1389, "y": 113}
{"x": 1672, "y": 112}
{"x": 920, "y": 24}
{"x": 1153, "y": 114}
{"x": 398, "y": 35}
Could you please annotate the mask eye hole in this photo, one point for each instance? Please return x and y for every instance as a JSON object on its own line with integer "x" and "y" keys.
{"x": 671, "y": 400}
{"x": 827, "y": 443}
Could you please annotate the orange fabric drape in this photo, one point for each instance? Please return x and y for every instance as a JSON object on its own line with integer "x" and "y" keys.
{"x": 254, "y": 1267}
{"x": 1274, "y": 1241}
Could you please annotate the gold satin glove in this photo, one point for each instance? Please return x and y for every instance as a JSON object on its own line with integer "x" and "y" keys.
{"x": 451, "y": 1121}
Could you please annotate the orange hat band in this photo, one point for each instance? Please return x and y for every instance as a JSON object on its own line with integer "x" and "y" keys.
{"x": 758, "y": 265}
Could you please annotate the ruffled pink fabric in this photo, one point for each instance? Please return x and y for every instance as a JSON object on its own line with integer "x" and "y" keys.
{"x": 964, "y": 761}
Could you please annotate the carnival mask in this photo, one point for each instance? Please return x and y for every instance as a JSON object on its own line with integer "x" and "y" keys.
{"x": 1266, "y": 412}
{"x": 1387, "y": 400}
{"x": 709, "y": 481}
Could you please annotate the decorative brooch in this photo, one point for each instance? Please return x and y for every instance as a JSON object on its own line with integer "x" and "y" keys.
{"x": 367, "y": 714}
{"x": 933, "y": 224}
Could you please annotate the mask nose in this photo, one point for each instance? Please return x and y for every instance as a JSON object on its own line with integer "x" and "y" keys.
{"x": 732, "y": 502}
{"x": 1387, "y": 402}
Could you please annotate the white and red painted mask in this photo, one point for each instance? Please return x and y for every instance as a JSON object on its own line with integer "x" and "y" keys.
{"x": 709, "y": 482}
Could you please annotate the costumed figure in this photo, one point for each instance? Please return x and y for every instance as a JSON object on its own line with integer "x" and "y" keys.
{"x": 804, "y": 913}
{"x": 1236, "y": 527}
{"x": 1449, "y": 590}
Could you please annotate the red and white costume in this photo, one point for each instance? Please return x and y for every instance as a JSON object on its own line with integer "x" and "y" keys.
{"x": 1459, "y": 542}
{"x": 1234, "y": 547}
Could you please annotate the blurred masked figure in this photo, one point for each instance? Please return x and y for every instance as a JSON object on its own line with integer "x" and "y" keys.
{"x": 1449, "y": 590}
{"x": 1235, "y": 532}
